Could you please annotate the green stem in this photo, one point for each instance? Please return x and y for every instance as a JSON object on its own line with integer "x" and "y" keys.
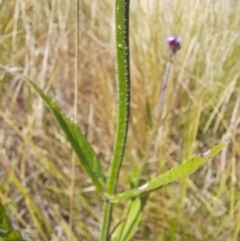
{"x": 123, "y": 84}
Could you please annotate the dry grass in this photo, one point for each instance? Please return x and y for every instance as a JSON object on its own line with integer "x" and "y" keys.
{"x": 201, "y": 109}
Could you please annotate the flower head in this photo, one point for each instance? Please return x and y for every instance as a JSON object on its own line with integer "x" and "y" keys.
{"x": 174, "y": 43}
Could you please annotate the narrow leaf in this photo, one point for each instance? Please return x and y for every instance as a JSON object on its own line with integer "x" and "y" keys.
{"x": 185, "y": 168}
{"x": 135, "y": 176}
{"x": 134, "y": 218}
{"x": 85, "y": 153}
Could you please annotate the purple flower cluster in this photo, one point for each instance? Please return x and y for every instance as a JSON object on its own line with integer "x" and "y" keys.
{"x": 174, "y": 43}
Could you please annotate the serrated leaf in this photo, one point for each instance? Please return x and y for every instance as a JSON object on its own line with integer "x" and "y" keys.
{"x": 185, "y": 168}
{"x": 85, "y": 153}
{"x": 5, "y": 224}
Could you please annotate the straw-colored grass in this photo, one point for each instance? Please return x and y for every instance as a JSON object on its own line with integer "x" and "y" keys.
{"x": 202, "y": 108}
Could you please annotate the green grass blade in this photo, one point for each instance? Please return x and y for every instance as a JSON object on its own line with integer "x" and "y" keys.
{"x": 186, "y": 168}
{"x": 85, "y": 153}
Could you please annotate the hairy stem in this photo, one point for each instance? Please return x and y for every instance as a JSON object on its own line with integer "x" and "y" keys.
{"x": 123, "y": 84}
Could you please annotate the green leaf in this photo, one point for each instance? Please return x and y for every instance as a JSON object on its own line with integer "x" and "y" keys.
{"x": 6, "y": 229}
{"x": 185, "y": 168}
{"x": 5, "y": 224}
{"x": 14, "y": 235}
{"x": 85, "y": 153}
{"x": 125, "y": 231}
{"x": 135, "y": 176}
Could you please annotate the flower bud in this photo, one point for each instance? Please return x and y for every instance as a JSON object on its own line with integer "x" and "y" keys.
{"x": 174, "y": 43}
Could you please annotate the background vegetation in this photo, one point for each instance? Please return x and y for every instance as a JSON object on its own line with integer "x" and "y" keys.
{"x": 202, "y": 109}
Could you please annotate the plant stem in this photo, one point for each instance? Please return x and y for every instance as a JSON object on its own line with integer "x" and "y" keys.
{"x": 123, "y": 85}
{"x": 160, "y": 106}
{"x": 75, "y": 108}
